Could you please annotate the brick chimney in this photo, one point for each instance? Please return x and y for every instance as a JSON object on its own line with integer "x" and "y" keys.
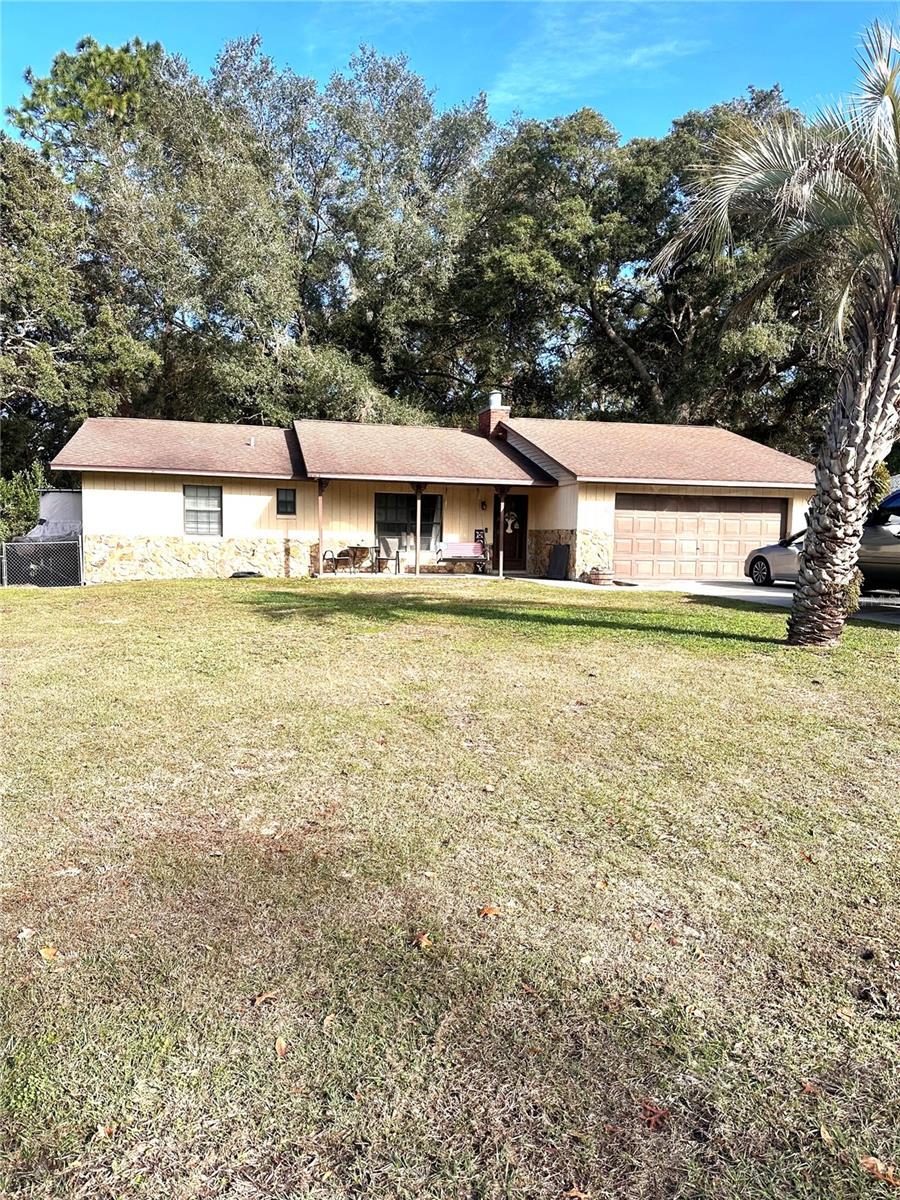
{"x": 491, "y": 416}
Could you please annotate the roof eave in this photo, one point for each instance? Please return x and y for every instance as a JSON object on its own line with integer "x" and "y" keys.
{"x": 476, "y": 481}
{"x": 568, "y": 475}
{"x": 672, "y": 482}
{"x": 56, "y": 465}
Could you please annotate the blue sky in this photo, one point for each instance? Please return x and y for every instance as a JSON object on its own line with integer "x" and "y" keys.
{"x": 640, "y": 63}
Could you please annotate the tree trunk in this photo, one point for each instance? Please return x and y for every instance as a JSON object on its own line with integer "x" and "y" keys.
{"x": 637, "y": 364}
{"x": 863, "y": 425}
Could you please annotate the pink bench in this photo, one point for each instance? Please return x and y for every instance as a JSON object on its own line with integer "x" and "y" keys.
{"x": 465, "y": 552}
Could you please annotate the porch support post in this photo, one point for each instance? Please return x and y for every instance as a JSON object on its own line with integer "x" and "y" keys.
{"x": 320, "y": 505}
{"x": 501, "y": 529}
{"x": 419, "y": 488}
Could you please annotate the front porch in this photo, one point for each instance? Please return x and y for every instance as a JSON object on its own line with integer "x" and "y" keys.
{"x": 379, "y": 527}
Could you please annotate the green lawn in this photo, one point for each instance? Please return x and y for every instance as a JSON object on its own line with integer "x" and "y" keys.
{"x": 312, "y": 790}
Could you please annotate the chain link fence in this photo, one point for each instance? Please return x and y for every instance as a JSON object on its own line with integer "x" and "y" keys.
{"x": 40, "y": 564}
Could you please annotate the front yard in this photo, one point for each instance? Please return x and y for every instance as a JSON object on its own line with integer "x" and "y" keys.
{"x": 457, "y": 889}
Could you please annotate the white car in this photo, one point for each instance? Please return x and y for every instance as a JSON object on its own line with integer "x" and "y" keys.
{"x": 879, "y": 554}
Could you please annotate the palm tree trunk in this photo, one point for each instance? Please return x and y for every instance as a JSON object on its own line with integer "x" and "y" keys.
{"x": 864, "y": 424}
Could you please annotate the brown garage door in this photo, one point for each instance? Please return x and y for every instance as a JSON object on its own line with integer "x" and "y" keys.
{"x": 692, "y": 537}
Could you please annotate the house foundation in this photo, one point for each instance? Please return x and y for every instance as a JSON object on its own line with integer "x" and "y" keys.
{"x": 110, "y": 558}
{"x": 540, "y": 546}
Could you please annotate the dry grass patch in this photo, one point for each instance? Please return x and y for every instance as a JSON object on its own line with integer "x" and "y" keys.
{"x": 259, "y": 822}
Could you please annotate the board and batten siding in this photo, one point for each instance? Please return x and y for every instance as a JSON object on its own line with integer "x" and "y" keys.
{"x": 349, "y": 509}
{"x": 554, "y": 507}
{"x": 133, "y": 505}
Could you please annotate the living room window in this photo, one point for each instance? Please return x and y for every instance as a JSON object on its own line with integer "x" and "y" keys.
{"x": 395, "y": 519}
{"x": 203, "y": 510}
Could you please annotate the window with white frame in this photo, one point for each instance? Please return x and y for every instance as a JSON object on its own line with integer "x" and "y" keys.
{"x": 395, "y": 518}
{"x": 202, "y": 510}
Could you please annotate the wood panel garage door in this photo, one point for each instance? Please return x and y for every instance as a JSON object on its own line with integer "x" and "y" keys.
{"x": 692, "y": 537}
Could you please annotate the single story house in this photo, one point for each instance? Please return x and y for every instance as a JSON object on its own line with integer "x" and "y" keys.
{"x": 178, "y": 499}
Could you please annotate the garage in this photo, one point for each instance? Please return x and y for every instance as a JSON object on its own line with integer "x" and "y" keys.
{"x": 667, "y": 536}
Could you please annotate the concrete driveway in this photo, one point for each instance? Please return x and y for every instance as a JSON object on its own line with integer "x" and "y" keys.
{"x": 884, "y": 609}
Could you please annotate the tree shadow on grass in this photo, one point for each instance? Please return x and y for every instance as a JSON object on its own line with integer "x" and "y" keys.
{"x": 866, "y": 615}
{"x": 543, "y": 618}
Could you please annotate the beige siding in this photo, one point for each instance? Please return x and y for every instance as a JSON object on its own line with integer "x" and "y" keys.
{"x": 798, "y": 506}
{"x": 153, "y": 506}
{"x": 553, "y": 508}
{"x": 349, "y": 510}
{"x": 596, "y": 507}
{"x": 130, "y": 505}
{"x": 713, "y": 489}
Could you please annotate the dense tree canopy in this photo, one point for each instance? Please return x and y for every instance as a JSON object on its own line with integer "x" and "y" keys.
{"x": 67, "y": 350}
{"x": 255, "y": 246}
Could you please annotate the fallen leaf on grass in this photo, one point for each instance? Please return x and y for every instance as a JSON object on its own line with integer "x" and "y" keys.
{"x": 576, "y": 1193}
{"x": 421, "y": 940}
{"x": 281, "y": 1047}
{"x": 489, "y": 912}
{"x": 263, "y": 998}
{"x": 105, "y": 1131}
{"x": 48, "y": 953}
{"x": 811, "y": 1089}
{"x": 654, "y": 1115}
{"x": 827, "y": 1137}
{"x": 329, "y": 1020}
{"x": 882, "y": 1171}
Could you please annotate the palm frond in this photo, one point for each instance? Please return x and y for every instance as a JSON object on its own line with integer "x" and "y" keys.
{"x": 877, "y": 103}
{"x": 748, "y": 174}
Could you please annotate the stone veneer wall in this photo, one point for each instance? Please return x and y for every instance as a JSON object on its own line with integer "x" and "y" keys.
{"x": 433, "y": 568}
{"x": 540, "y": 544}
{"x": 594, "y": 548}
{"x": 109, "y": 558}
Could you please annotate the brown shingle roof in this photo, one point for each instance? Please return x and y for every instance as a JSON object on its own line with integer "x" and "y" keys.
{"x": 424, "y": 453}
{"x": 623, "y": 451}
{"x": 597, "y": 450}
{"x": 180, "y": 448}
